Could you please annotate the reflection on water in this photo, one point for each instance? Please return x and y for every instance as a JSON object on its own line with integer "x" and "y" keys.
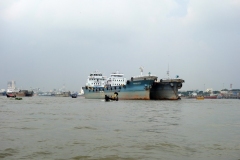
{"x": 69, "y": 128}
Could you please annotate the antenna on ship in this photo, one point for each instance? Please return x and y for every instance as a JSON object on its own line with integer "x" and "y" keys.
{"x": 63, "y": 88}
{"x": 168, "y": 71}
{"x": 141, "y": 69}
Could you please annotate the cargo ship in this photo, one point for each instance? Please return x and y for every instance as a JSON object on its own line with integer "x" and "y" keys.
{"x": 136, "y": 88}
{"x": 166, "y": 89}
{"x": 24, "y": 93}
{"x": 20, "y": 93}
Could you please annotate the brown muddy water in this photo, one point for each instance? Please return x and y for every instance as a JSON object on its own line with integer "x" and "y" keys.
{"x": 62, "y": 128}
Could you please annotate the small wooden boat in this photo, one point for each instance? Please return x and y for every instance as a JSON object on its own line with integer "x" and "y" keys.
{"x": 111, "y": 98}
{"x": 200, "y": 98}
{"x": 18, "y": 98}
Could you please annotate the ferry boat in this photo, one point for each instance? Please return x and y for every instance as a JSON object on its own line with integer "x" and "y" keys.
{"x": 136, "y": 88}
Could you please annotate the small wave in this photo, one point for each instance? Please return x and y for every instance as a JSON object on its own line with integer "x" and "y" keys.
{"x": 111, "y": 157}
{"x": 42, "y": 153}
{"x": 117, "y": 130}
{"x": 27, "y": 128}
{"x": 37, "y": 154}
{"x": 85, "y": 127}
{"x": 7, "y": 152}
{"x": 164, "y": 146}
{"x": 81, "y": 157}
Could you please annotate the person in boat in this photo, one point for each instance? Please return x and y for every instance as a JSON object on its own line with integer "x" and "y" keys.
{"x": 112, "y": 97}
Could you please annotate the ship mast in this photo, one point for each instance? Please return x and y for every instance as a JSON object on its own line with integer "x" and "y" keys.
{"x": 168, "y": 71}
{"x": 141, "y": 69}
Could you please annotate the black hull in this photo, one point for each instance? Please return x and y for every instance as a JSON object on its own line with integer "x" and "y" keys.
{"x": 166, "y": 89}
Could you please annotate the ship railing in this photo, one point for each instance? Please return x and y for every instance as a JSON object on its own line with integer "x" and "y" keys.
{"x": 147, "y": 75}
{"x": 171, "y": 80}
{"x": 107, "y": 87}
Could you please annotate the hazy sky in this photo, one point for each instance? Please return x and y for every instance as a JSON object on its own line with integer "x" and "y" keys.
{"x": 48, "y": 43}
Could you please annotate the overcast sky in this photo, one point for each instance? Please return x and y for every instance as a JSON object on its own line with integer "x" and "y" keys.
{"x": 50, "y": 43}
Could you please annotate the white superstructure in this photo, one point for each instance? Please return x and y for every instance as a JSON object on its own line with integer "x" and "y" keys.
{"x": 116, "y": 79}
{"x": 11, "y": 87}
{"x": 96, "y": 79}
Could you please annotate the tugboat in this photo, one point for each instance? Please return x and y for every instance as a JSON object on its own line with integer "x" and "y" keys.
{"x": 111, "y": 98}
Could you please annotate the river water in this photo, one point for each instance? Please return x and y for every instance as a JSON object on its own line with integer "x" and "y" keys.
{"x": 62, "y": 128}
